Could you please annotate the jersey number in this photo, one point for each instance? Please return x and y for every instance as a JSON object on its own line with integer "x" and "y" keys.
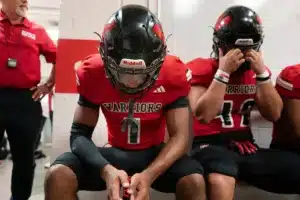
{"x": 226, "y": 117}
{"x": 134, "y": 131}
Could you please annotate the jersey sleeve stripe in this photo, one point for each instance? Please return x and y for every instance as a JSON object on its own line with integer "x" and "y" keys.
{"x": 77, "y": 64}
{"x": 284, "y": 84}
{"x": 188, "y": 75}
{"x": 76, "y": 67}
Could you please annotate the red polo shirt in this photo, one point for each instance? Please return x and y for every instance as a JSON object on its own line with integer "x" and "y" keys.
{"x": 24, "y": 43}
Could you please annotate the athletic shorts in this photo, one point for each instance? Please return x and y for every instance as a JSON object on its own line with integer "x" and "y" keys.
{"x": 272, "y": 170}
{"x": 132, "y": 162}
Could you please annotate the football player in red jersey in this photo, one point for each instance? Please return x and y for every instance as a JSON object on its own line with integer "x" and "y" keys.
{"x": 286, "y": 131}
{"x": 224, "y": 91}
{"x": 132, "y": 81}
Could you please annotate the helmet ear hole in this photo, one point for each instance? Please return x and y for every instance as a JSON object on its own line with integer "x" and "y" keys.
{"x": 215, "y": 51}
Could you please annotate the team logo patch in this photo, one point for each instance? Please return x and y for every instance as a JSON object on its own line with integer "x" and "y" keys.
{"x": 28, "y": 35}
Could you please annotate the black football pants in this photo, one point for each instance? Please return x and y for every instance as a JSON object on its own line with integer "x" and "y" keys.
{"x": 21, "y": 118}
{"x": 132, "y": 162}
{"x": 272, "y": 170}
{"x": 38, "y": 141}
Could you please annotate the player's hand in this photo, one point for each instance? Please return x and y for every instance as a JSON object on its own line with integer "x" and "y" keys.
{"x": 40, "y": 91}
{"x": 114, "y": 179}
{"x": 243, "y": 147}
{"x": 256, "y": 61}
{"x": 231, "y": 61}
{"x": 140, "y": 185}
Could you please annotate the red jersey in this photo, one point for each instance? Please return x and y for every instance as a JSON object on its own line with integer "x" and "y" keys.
{"x": 238, "y": 100}
{"x": 288, "y": 82}
{"x": 288, "y": 86}
{"x": 172, "y": 83}
{"x": 23, "y": 43}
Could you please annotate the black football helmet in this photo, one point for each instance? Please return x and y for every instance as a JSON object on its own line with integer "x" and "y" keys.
{"x": 133, "y": 48}
{"x": 237, "y": 27}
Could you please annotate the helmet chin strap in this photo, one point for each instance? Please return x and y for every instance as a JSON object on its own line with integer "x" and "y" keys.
{"x": 245, "y": 66}
{"x": 130, "y": 121}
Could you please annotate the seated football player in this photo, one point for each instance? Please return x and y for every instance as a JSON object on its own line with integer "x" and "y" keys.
{"x": 286, "y": 131}
{"x": 132, "y": 81}
{"x": 224, "y": 91}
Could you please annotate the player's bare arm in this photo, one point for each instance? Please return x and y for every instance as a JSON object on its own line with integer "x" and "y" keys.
{"x": 267, "y": 99}
{"x": 206, "y": 103}
{"x": 195, "y": 95}
{"x": 207, "y": 106}
{"x": 178, "y": 126}
{"x": 85, "y": 119}
{"x": 290, "y": 119}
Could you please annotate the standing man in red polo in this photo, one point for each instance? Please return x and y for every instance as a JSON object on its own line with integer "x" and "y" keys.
{"x": 21, "y": 44}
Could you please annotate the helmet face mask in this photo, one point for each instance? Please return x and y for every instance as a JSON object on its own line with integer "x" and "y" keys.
{"x": 132, "y": 76}
{"x": 243, "y": 44}
{"x": 133, "y": 49}
{"x": 238, "y": 27}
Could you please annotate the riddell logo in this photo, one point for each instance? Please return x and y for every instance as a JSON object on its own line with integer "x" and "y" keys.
{"x": 130, "y": 63}
{"x": 244, "y": 42}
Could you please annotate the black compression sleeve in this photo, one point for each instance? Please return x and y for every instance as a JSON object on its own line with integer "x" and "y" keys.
{"x": 181, "y": 102}
{"x": 83, "y": 146}
{"x": 82, "y": 101}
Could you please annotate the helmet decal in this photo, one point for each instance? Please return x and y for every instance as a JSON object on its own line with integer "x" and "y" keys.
{"x": 259, "y": 20}
{"x": 222, "y": 21}
{"x": 108, "y": 27}
{"x": 157, "y": 30}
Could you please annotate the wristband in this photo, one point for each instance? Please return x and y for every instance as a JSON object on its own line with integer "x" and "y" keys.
{"x": 263, "y": 77}
{"x": 263, "y": 82}
{"x": 222, "y": 77}
{"x": 219, "y": 79}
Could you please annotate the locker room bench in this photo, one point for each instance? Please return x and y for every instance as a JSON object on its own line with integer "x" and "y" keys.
{"x": 243, "y": 192}
{"x": 262, "y": 132}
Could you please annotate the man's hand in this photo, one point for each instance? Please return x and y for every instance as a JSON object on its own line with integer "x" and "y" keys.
{"x": 114, "y": 179}
{"x": 41, "y": 90}
{"x": 140, "y": 185}
{"x": 231, "y": 61}
{"x": 256, "y": 61}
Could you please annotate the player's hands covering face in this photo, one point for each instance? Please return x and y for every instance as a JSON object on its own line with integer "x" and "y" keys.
{"x": 140, "y": 185}
{"x": 231, "y": 61}
{"x": 115, "y": 179}
{"x": 256, "y": 61}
